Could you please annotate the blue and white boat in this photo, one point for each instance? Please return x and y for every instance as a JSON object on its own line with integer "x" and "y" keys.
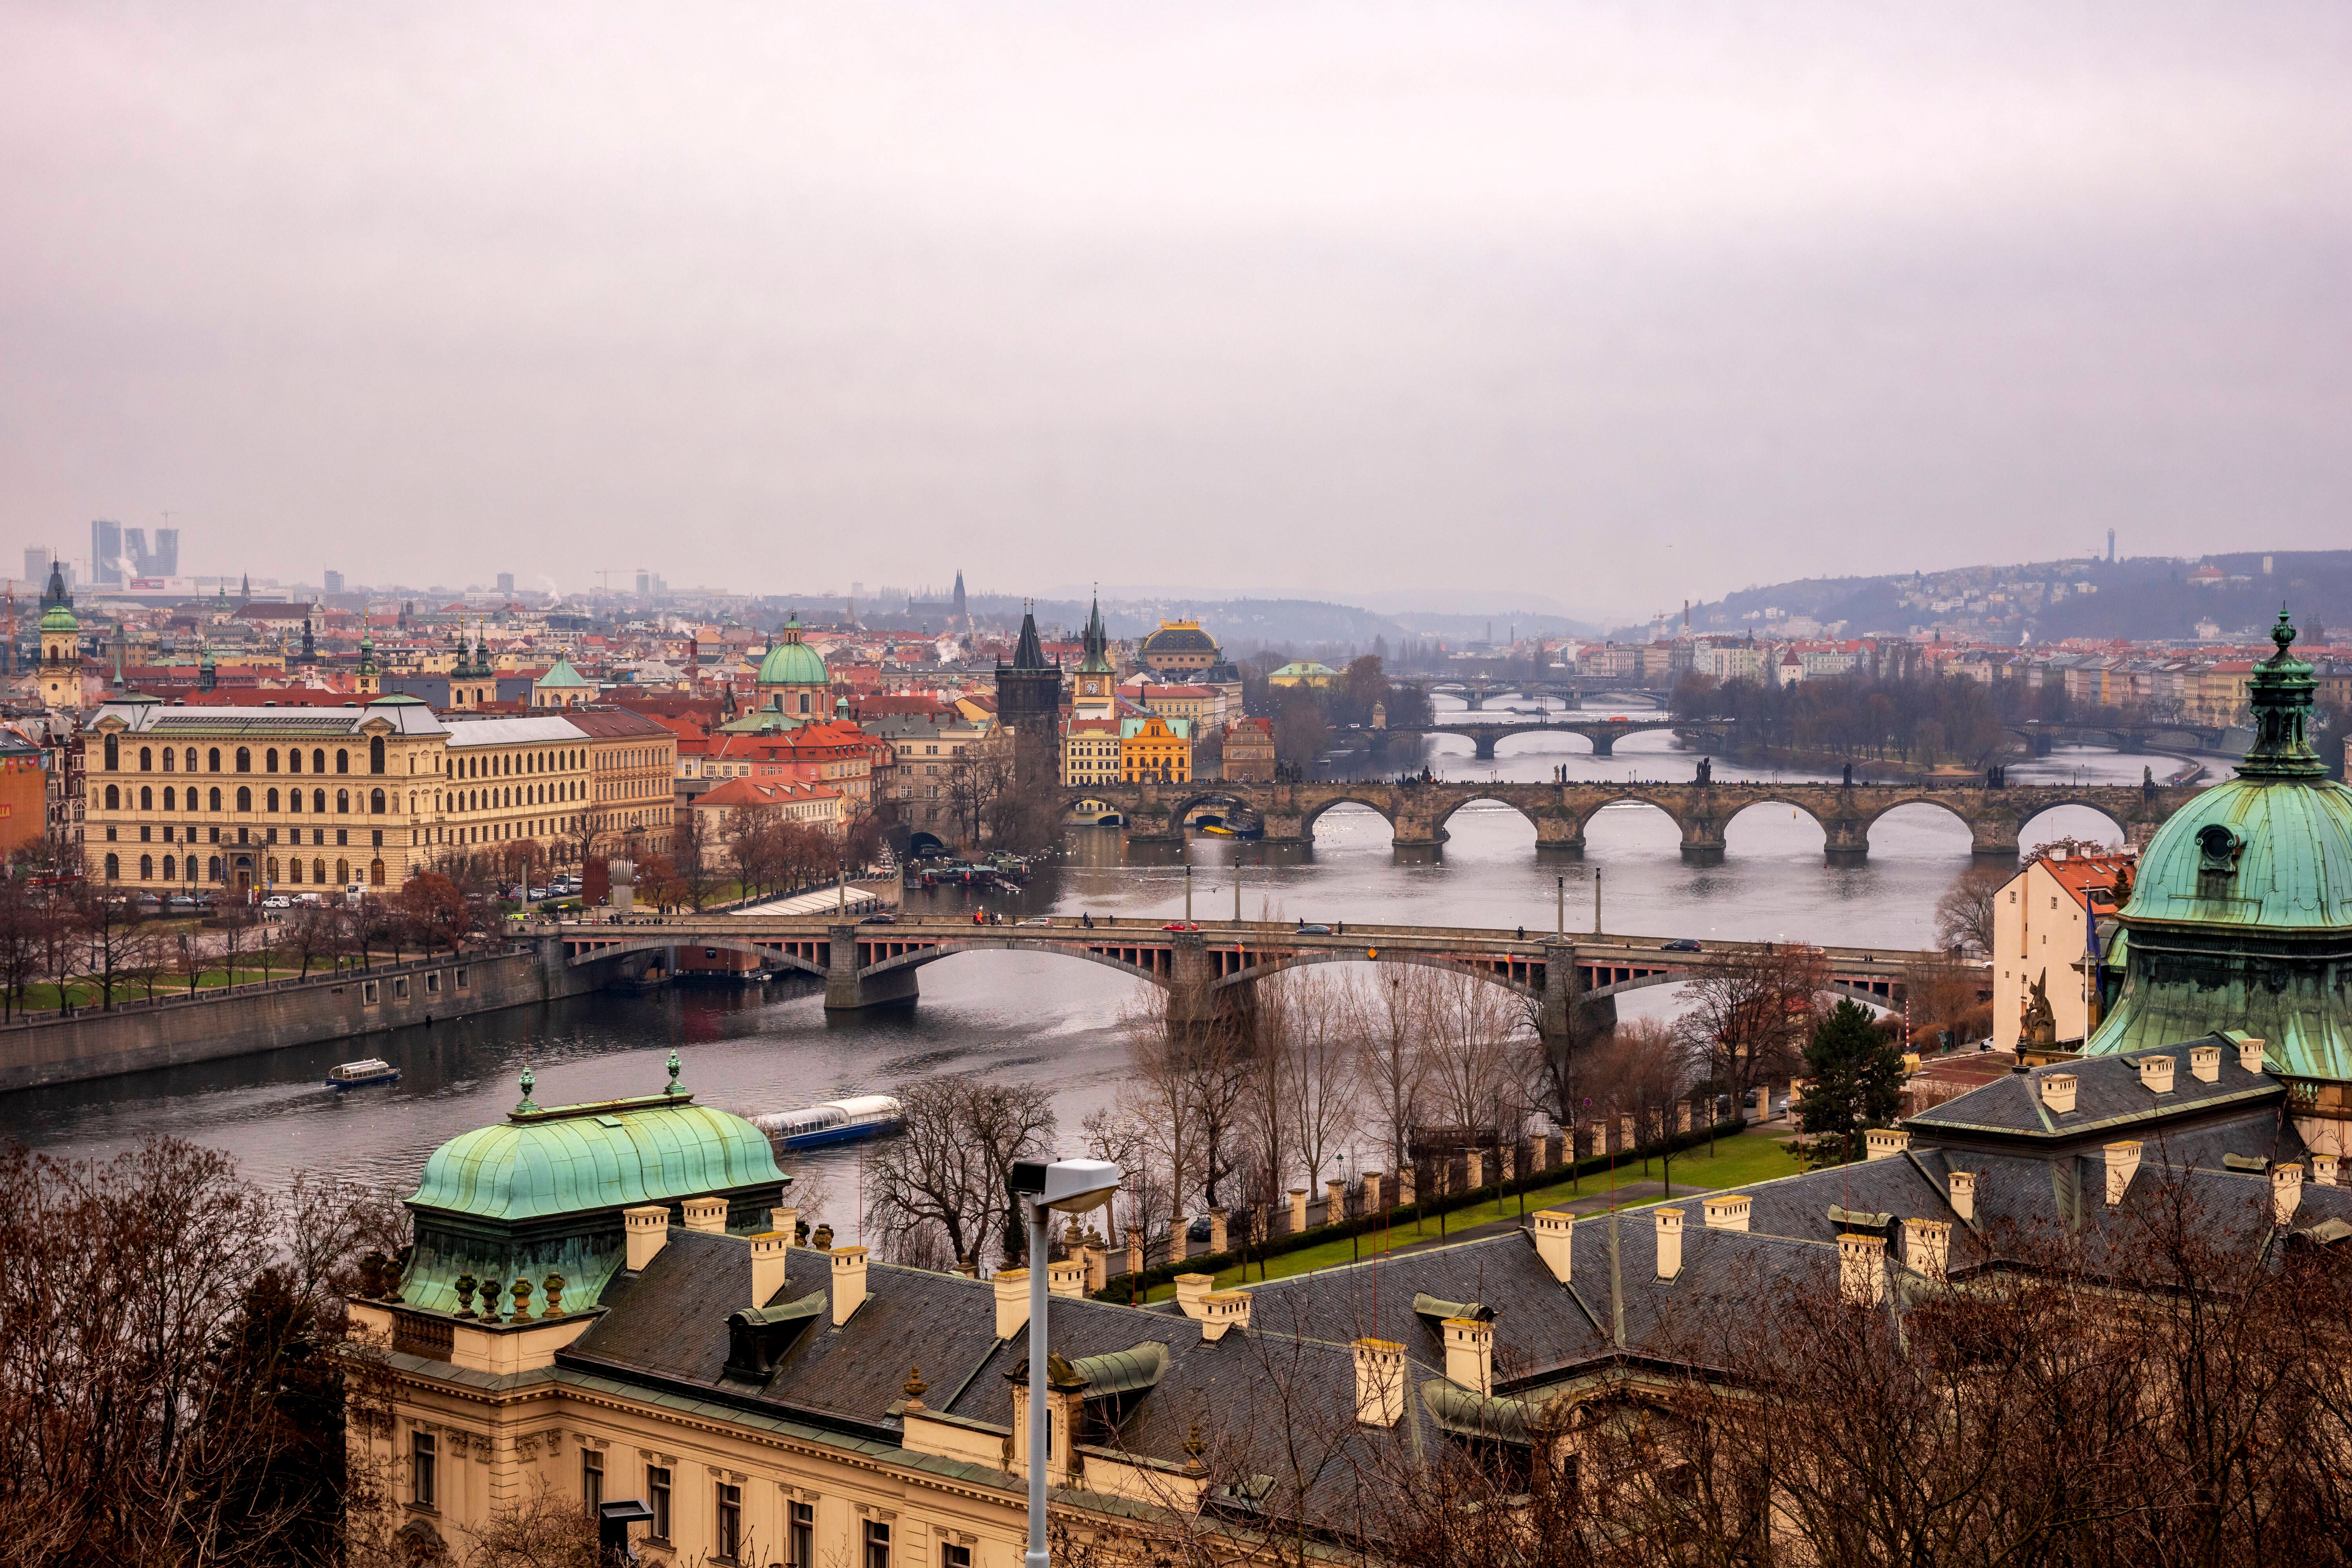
{"x": 835, "y": 1122}
{"x": 358, "y": 1074}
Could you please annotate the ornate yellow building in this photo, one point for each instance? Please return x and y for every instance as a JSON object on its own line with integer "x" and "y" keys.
{"x": 1155, "y": 750}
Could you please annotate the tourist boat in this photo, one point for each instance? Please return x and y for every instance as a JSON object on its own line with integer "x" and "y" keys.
{"x": 834, "y": 1122}
{"x": 355, "y": 1074}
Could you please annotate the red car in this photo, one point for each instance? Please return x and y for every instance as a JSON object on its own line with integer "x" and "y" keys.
{"x": 1181, "y": 925}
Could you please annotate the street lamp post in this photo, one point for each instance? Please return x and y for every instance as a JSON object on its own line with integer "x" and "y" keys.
{"x": 1067, "y": 1187}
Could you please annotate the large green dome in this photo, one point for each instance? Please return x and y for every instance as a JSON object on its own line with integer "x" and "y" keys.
{"x": 792, "y": 662}
{"x": 2241, "y": 914}
{"x": 582, "y": 1159}
{"x": 60, "y": 619}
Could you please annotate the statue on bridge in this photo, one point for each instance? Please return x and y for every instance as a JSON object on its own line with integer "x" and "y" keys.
{"x": 1706, "y": 771}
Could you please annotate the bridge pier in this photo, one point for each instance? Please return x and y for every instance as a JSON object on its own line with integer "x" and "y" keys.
{"x": 1481, "y": 744}
{"x": 1200, "y": 1010}
{"x": 1848, "y": 843}
{"x": 846, "y": 990}
{"x": 1703, "y": 842}
{"x": 1993, "y": 839}
{"x": 1418, "y": 835}
{"x": 1284, "y": 827}
{"x": 1559, "y": 838}
{"x": 1604, "y": 743}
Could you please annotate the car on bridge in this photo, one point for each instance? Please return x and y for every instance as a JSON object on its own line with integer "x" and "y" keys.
{"x": 882, "y": 918}
{"x": 1306, "y": 930}
{"x": 1182, "y": 925}
{"x": 1680, "y": 944}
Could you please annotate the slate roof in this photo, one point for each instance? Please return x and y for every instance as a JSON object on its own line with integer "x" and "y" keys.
{"x": 2109, "y": 1101}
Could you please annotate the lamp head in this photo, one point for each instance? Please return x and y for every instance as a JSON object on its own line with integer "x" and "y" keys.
{"x": 1071, "y": 1186}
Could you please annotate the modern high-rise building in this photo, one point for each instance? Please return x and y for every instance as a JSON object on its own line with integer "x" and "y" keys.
{"x": 106, "y": 553}
{"x": 334, "y": 581}
{"x": 36, "y": 564}
{"x": 644, "y": 584}
{"x": 163, "y": 561}
{"x": 506, "y": 582}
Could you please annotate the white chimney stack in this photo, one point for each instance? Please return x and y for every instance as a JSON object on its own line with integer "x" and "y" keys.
{"x": 2155, "y": 1074}
{"x": 2322, "y": 1169}
{"x": 1190, "y": 1289}
{"x": 2250, "y": 1053}
{"x": 1862, "y": 1269}
{"x": 2205, "y": 1063}
{"x": 1470, "y": 1353}
{"x": 1379, "y": 1383}
{"x": 1963, "y": 1194}
{"x": 768, "y": 1265}
{"x": 1221, "y": 1310}
{"x": 1067, "y": 1279}
{"x": 2122, "y": 1160}
{"x": 1927, "y": 1247}
{"x": 1884, "y": 1142}
{"x": 1728, "y": 1211}
{"x": 706, "y": 1214}
{"x": 1670, "y": 1242}
{"x": 785, "y": 1220}
{"x": 2058, "y": 1092}
{"x": 848, "y": 1282}
{"x": 1012, "y": 1301}
{"x": 2286, "y": 1192}
{"x": 648, "y": 1233}
{"x": 1555, "y": 1232}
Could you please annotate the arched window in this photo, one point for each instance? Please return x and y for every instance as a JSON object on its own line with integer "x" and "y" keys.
{"x": 376, "y": 873}
{"x": 244, "y": 798}
{"x": 215, "y": 805}
{"x": 343, "y": 801}
{"x": 188, "y": 759}
{"x": 113, "y": 866}
{"x": 343, "y": 762}
{"x": 317, "y": 762}
{"x": 213, "y": 869}
{"x": 146, "y": 798}
{"x": 294, "y": 871}
{"x": 146, "y": 760}
{"x": 171, "y": 869}
{"x": 271, "y": 800}
{"x": 167, "y": 792}
{"x": 294, "y": 761}
{"x": 343, "y": 871}
{"x": 212, "y": 759}
{"x": 244, "y": 760}
{"x": 318, "y": 800}
{"x": 375, "y": 753}
{"x": 375, "y": 803}
{"x": 273, "y": 870}
{"x": 317, "y": 870}
{"x": 113, "y": 802}
{"x": 113, "y": 754}
{"x": 146, "y": 868}
{"x": 294, "y": 801}
{"x": 269, "y": 761}
{"x": 168, "y": 754}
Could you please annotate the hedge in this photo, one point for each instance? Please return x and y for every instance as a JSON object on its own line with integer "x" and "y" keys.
{"x": 1116, "y": 1287}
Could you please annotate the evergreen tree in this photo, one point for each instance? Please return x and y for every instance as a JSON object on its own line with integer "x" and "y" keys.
{"x": 1856, "y": 1073}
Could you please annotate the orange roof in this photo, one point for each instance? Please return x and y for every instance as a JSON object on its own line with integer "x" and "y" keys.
{"x": 2092, "y": 878}
{"x": 754, "y": 792}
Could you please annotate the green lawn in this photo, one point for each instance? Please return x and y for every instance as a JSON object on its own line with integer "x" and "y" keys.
{"x": 1738, "y": 1162}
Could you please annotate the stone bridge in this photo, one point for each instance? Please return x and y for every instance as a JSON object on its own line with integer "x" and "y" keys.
{"x": 2040, "y": 738}
{"x": 1210, "y": 971}
{"x": 1474, "y": 691}
{"x": 1418, "y": 812}
{"x": 1604, "y": 734}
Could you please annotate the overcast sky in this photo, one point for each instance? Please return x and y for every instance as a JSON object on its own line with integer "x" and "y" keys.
{"x": 1609, "y": 304}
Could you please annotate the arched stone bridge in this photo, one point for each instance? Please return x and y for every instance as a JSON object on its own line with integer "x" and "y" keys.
{"x": 1604, "y": 734}
{"x": 1418, "y": 812}
{"x": 1213, "y": 970}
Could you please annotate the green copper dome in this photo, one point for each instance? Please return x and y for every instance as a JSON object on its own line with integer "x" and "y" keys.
{"x": 792, "y": 662}
{"x": 2241, "y": 908}
{"x": 582, "y": 1159}
{"x": 60, "y": 619}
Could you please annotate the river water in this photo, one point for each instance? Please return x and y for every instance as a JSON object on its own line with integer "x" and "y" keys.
{"x": 1050, "y": 1019}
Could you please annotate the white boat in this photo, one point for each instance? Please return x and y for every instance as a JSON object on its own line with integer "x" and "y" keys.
{"x": 834, "y": 1122}
{"x": 353, "y": 1075}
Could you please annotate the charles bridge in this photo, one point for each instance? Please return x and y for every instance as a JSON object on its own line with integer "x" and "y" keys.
{"x": 1418, "y": 812}
{"x": 1566, "y": 984}
{"x": 1604, "y": 734}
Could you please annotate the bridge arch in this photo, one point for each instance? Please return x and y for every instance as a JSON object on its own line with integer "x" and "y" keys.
{"x": 768, "y": 952}
{"x": 1499, "y": 798}
{"x": 2043, "y": 808}
{"x": 983, "y": 940}
{"x": 1365, "y": 798}
{"x": 1792, "y": 800}
{"x": 1280, "y": 962}
{"x": 1876, "y": 993}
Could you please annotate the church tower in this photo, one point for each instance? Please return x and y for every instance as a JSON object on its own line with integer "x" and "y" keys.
{"x": 61, "y": 646}
{"x": 962, "y": 616}
{"x": 368, "y": 681}
{"x": 793, "y": 677}
{"x": 1097, "y": 681}
{"x": 1029, "y": 705}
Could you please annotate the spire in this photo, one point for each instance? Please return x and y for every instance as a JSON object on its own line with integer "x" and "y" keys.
{"x": 309, "y": 648}
{"x": 1096, "y": 642}
{"x": 2279, "y": 693}
{"x": 244, "y": 589}
{"x": 1028, "y": 654}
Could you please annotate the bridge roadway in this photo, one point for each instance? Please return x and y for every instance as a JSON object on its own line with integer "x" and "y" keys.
{"x": 1604, "y": 734}
{"x": 1210, "y": 970}
{"x": 1418, "y": 812}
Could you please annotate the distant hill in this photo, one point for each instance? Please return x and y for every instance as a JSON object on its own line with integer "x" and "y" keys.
{"x": 2144, "y": 598}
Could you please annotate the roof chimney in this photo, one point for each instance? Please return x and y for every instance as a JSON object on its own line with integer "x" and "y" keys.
{"x": 2155, "y": 1074}
{"x": 708, "y": 1214}
{"x": 1886, "y": 1142}
{"x": 1221, "y": 1311}
{"x": 2058, "y": 1092}
{"x": 786, "y": 1220}
{"x": 1927, "y": 1247}
{"x": 1190, "y": 1288}
{"x": 1379, "y": 1383}
{"x": 2286, "y": 1192}
{"x": 1728, "y": 1211}
{"x": 1670, "y": 1242}
{"x": 1067, "y": 1278}
{"x": 2250, "y": 1053}
{"x": 848, "y": 1283}
{"x": 1962, "y": 1194}
{"x": 648, "y": 1231}
{"x": 1861, "y": 1268}
{"x": 2122, "y": 1161}
{"x": 1013, "y": 1302}
{"x": 1554, "y": 1230}
{"x": 2205, "y": 1063}
{"x": 768, "y": 1265}
{"x": 2322, "y": 1169}
{"x": 1470, "y": 1353}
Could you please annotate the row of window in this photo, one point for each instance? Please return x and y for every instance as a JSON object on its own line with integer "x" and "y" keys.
{"x": 118, "y": 799}
{"x": 213, "y": 870}
{"x": 242, "y": 758}
{"x": 727, "y": 1537}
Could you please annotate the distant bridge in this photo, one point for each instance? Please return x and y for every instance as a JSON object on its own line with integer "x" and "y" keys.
{"x": 1418, "y": 812}
{"x": 1604, "y": 734}
{"x": 1474, "y": 690}
{"x": 2040, "y": 738}
{"x": 1210, "y": 970}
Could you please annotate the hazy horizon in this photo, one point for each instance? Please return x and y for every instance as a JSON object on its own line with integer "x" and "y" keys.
{"x": 1612, "y": 306}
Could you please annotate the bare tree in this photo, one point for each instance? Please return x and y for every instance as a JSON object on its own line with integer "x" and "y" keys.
{"x": 1391, "y": 1031}
{"x": 1964, "y": 915}
{"x": 1751, "y": 1012}
{"x": 943, "y": 1182}
{"x": 1318, "y": 1062}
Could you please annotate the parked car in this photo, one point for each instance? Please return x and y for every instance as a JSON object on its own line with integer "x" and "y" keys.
{"x": 537, "y": 894}
{"x": 1680, "y": 944}
{"x": 277, "y": 901}
{"x": 1314, "y": 931}
{"x": 881, "y": 917}
{"x": 1182, "y": 925}
{"x": 1035, "y": 920}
